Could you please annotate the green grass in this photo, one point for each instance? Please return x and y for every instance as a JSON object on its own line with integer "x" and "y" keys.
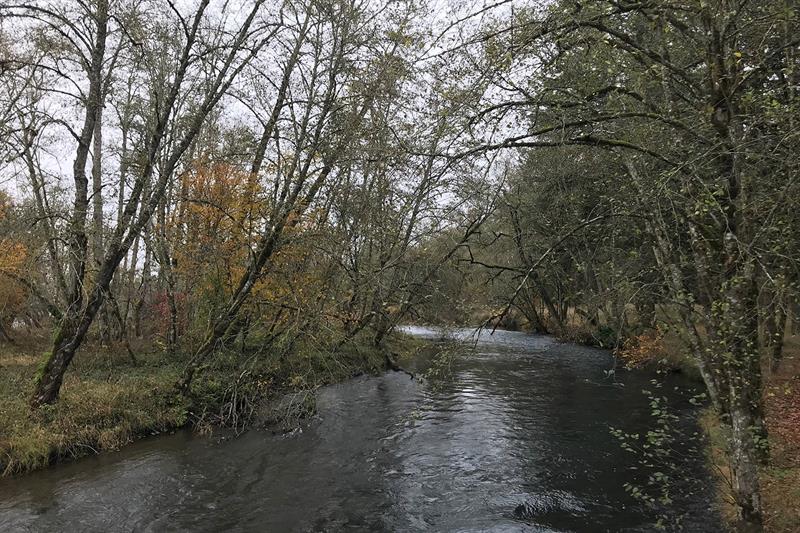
{"x": 105, "y": 403}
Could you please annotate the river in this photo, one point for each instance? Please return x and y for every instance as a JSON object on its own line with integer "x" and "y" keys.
{"x": 515, "y": 437}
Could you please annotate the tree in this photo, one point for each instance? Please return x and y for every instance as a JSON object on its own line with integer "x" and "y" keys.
{"x": 13, "y": 260}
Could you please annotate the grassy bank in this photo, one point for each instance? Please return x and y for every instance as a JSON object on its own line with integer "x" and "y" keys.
{"x": 108, "y": 402}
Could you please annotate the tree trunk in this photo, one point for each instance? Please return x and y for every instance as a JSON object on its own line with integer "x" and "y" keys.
{"x": 557, "y": 324}
{"x": 750, "y": 444}
{"x": 69, "y": 336}
{"x": 744, "y": 468}
{"x": 168, "y": 277}
{"x": 220, "y": 327}
{"x": 97, "y": 213}
{"x": 528, "y": 308}
{"x": 76, "y": 320}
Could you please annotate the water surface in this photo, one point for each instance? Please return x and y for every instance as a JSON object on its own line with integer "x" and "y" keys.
{"x": 519, "y": 420}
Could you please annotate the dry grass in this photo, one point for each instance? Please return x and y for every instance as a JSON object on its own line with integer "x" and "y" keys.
{"x": 105, "y": 403}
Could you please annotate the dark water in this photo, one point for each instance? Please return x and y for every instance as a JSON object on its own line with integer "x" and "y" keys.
{"x": 521, "y": 419}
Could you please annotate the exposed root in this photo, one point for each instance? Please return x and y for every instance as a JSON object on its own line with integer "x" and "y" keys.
{"x": 391, "y": 364}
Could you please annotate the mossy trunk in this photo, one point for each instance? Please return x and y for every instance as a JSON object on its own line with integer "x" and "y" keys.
{"x": 68, "y": 338}
{"x": 746, "y": 490}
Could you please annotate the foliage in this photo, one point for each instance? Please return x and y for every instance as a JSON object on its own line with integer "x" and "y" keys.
{"x": 281, "y": 188}
{"x": 658, "y": 470}
{"x": 642, "y": 349}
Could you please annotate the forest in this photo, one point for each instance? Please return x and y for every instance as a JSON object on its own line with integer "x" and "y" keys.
{"x": 205, "y": 203}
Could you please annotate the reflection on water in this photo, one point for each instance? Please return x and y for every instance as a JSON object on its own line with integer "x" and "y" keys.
{"x": 521, "y": 420}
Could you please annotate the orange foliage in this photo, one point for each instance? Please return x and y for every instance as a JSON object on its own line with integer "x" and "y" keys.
{"x": 214, "y": 225}
{"x": 642, "y": 349}
{"x": 220, "y": 218}
{"x": 13, "y": 257}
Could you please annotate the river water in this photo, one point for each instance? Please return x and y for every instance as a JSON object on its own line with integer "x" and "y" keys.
{"x": 514, "y": 437}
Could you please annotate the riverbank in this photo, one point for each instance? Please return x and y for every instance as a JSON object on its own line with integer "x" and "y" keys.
{"x": 780, "y": 480}
{"x": 107, "y": 401}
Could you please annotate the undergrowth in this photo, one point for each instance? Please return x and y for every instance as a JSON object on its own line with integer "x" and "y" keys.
{"x": 107, "y": 402}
